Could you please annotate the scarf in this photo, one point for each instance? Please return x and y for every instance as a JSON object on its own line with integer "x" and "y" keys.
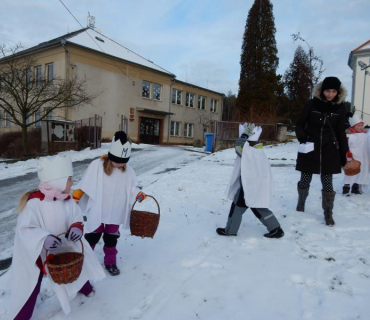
{"x": 52, "y": 192}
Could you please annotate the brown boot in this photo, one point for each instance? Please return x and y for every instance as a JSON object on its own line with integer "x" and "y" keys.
{"x": 327, "y": 205}
{"x": 302, "y": 196}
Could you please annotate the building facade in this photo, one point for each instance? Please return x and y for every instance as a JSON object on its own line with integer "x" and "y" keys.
{"x": 359, "y": 62}
{"x": 134, "y": 94}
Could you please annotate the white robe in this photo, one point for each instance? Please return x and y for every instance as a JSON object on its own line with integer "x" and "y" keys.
{"x": 107, "y": 199}
{"x": 256, "y": 177}
{"x": 358, "y": 144}
{"x": 36, "y": 221}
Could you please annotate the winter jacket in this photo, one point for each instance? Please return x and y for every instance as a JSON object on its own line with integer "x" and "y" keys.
{"x": 322, "y": 123}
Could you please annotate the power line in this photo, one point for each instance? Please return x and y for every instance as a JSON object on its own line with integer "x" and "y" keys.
{"x": 96, "y": 42}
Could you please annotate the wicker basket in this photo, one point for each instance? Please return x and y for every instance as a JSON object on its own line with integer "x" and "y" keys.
{"x": 352, "y": 167}
{"x": 143, "y": 223}
{"x": 66, "y": 267}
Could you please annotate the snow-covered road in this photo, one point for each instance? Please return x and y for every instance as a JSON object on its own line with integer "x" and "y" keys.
{"x": 155, "y": 160}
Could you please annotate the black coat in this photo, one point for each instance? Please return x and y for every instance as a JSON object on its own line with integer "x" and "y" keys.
{"x": 322, "y": 123}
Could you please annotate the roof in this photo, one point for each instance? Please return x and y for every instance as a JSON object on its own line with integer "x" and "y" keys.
{"x": 364, "y": 46}
{"x": 163, "y": 113}
{"x": 95, "y": 41}
{"x": 194, "y": 86}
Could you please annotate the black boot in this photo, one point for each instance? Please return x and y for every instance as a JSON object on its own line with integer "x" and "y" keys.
{"x": 276, "y": 233}
{"x": 222, "y": 232}
{"x": 346, "y": 190}
{"x": 112, "y": 269}
{"x": 355, "y": 189}
{"x": 302, "y": 196}
{"x": 327, "y": 205}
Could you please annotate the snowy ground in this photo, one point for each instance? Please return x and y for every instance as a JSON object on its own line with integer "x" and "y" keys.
{"x": 189, "y": 272}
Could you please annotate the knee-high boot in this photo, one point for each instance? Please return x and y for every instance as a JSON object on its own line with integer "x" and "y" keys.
{"x": 327, "y": 205}
{"x": 302, "y": 196}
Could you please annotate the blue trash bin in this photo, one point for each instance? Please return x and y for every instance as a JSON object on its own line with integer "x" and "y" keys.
{"x": 209, "y": 142}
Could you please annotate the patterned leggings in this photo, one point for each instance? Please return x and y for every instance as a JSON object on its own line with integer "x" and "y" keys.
{"x": 326, "y": 180}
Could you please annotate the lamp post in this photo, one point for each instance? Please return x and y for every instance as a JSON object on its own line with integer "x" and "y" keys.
{"x": 363, "y": 67}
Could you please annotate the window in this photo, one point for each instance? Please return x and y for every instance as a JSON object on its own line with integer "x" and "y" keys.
{"x": 49, "y": 113}
{"x": 201, "y": 102}
{"x": 1, "y": 118}
{"x": 37, "y": 118}
{"x": 10, "y": 79}
{"x": 175, "y": 128}
{"x": 7, "y": 124}
{"x": 50, "y": 69}
{"x": 146, "y": 89}
{"x": 190, "y": 97}
{"x": 29, "y": 78}
{"x": 176, "y": 96}
{"x": 38, "y": 75}
{"x": 188, "y": 130}
{"x": 214, "y": 104}
{"x": 157, "y": 89}
{"x": 28, "y": 120}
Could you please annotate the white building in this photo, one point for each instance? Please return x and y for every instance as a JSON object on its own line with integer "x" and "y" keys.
{"x": 359, "y": 62}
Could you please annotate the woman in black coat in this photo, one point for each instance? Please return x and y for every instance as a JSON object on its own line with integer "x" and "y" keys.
{"x": 322, "y": 121}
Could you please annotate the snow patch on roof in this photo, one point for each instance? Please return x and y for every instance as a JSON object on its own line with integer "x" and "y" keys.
{"x": 94, "y": 40}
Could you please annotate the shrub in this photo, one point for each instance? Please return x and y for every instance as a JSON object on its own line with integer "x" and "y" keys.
{"x": 11, "y": 143}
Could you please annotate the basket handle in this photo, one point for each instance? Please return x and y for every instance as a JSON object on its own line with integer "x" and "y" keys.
{"x": 159, "y": 211}
{"x": 48, "y": 257}
{"x": 82, "y": 245}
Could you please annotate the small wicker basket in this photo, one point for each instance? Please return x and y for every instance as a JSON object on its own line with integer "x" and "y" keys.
{"x": 65, "y": 267}
{"x": 352, "y": 167}
{"x": 143, "y": 223}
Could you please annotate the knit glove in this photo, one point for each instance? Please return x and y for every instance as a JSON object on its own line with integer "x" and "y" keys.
{"x": 239, "y": 144}
{"x": 52, "y": 242}
{"x": 249, "y": 128}
{"x": 77, "y": 195}
{"x": 141, "y": 196}
{"x": 75, "y": 232}
{"x": 302, "y": 139}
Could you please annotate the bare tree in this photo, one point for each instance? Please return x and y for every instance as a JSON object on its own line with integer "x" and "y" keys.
{"x": 203, "y": 120}
{"x": 316, "y": 63}
{"x": 26, "y": 92}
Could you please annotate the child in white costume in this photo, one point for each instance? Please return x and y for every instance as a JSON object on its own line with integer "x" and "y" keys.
{"x": 358, "y": 143}
{"x": 106, "y": 194}
{"x": 45, "y": 214}
{"x": 251, "y": 186}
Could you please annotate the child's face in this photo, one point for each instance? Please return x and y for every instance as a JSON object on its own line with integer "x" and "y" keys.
{"x": 359, "y": 127}
{"x": 68, "y": 185}
{"x": 118, "y": 165}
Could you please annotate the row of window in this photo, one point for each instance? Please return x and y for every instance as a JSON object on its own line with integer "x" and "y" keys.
{"x": 5, "y": 117}
{"x": 35, "y": 75}
{"x": 176, "y": 129}
{"x": 154, "y": 90}
{"x": 190, "y": 100}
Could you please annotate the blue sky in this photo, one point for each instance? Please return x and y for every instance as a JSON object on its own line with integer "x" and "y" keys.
{"x": 198, "y": 40}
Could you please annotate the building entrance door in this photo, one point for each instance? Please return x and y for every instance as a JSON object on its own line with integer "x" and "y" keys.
{"x": 149, "y": 130}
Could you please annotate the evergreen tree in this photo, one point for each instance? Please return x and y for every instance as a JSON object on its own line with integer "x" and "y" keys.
{"x": 228, "y": 111}
{"x": 259, "y": 61}
{"x": 297, "y": 80}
